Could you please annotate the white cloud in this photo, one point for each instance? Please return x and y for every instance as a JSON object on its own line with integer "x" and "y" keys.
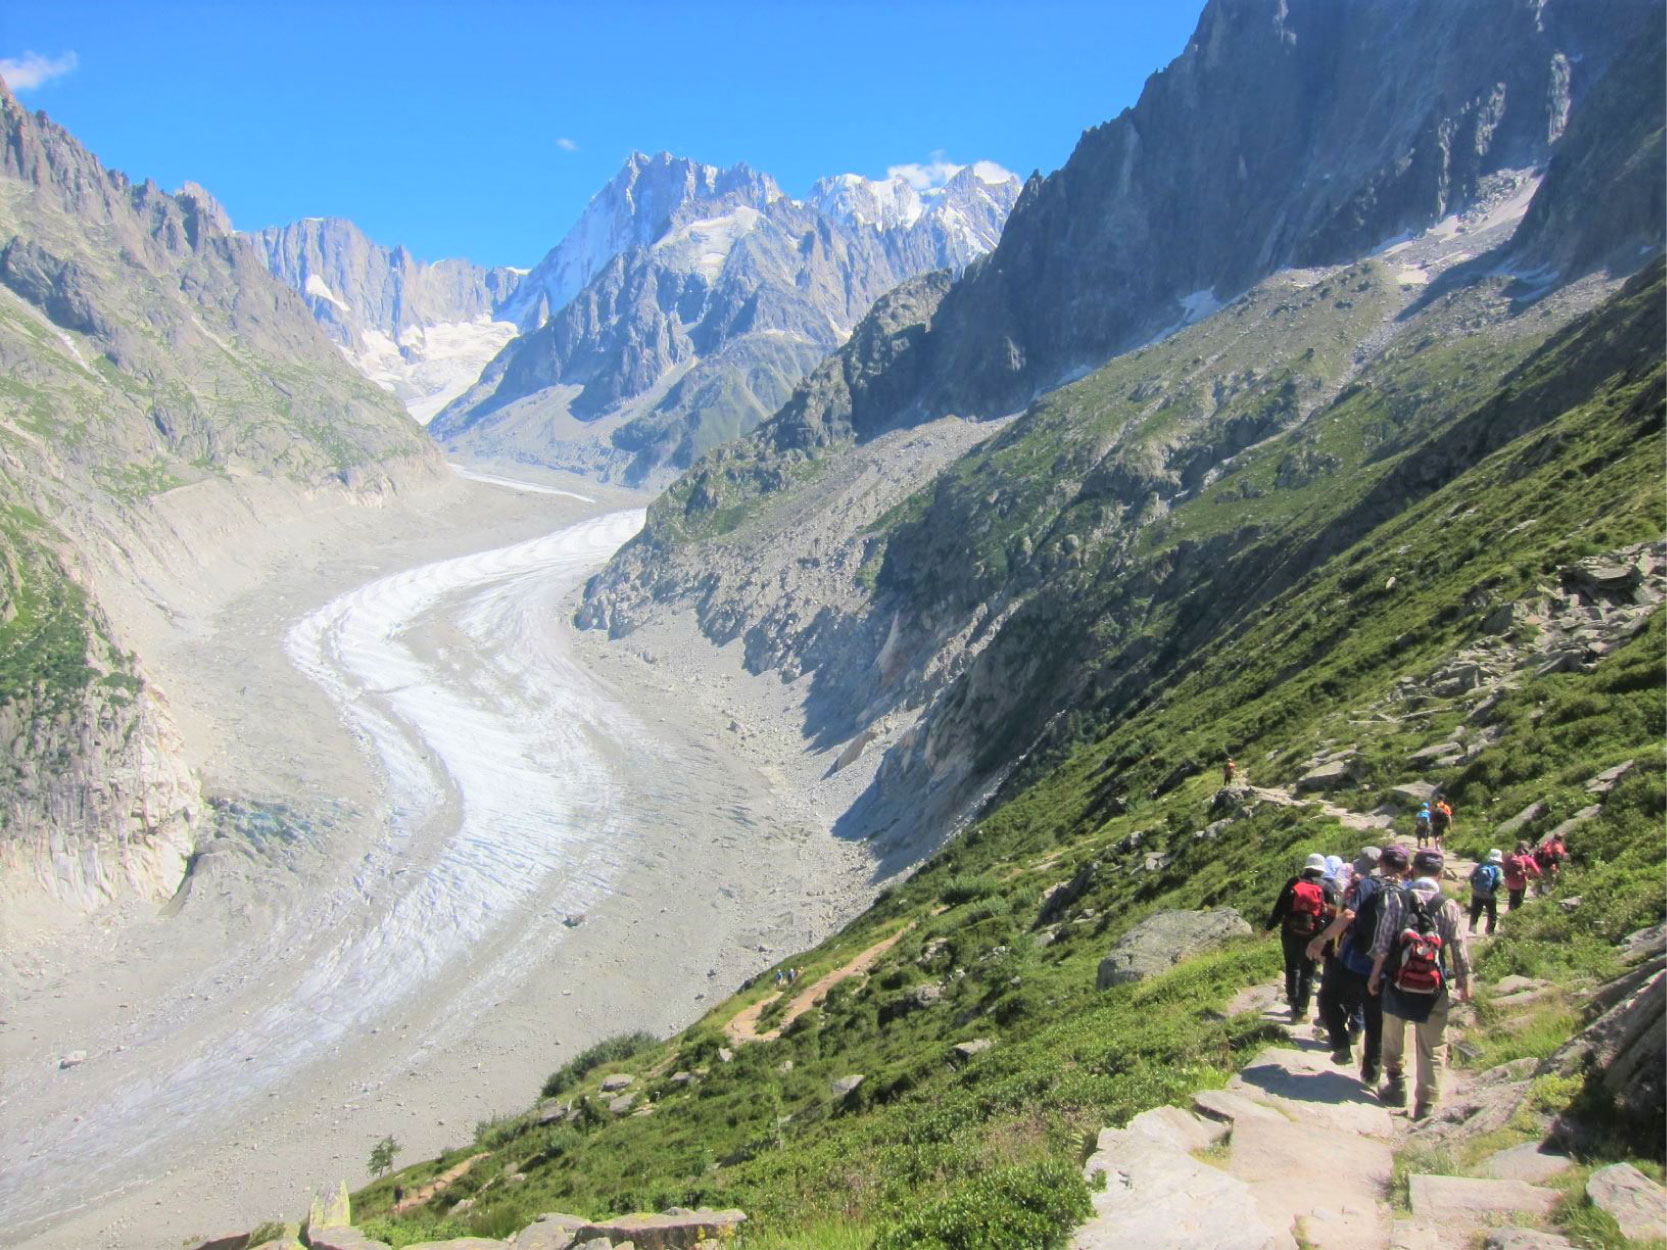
{"x": 926, "y": 177}
{"x": 566, "y": 144}
{"x": 32, "y": 70}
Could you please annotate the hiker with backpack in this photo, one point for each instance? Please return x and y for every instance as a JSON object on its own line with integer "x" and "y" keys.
{"x": 1485, "y": 880}
{"x": 1419, "y": 960}
{"x": 1441, "y": 823}
{"x": 1343, "y": 994}
{"x": 1229, "y": 772}
{"x": 1519, "y": 866}
{"x": 1421, "y": 825}
{"x": 1303, "y": 910}
{"x": 1552, "y": 854}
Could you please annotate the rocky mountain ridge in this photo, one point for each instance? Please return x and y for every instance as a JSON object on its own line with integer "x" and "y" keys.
{"x": 422, "y": 330}
{"x": 707, "y": 294}
{"x": 898, "y": 619}
{"x": 164, "y": 398}
{"x": 1282, "y": 136}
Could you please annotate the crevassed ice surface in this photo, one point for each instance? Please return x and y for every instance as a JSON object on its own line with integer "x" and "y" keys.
{"x": 502, "y": 771}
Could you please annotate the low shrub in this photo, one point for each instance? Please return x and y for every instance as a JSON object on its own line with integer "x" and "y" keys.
{"x": 1028, "y": 1207}
{"x": 609, "y": 1050}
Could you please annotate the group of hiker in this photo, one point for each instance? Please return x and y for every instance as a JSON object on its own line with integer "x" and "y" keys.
{"x": 1433, "y": 823}
{"x": 1513, "y": 872}
{"x": 1393, "y": 951}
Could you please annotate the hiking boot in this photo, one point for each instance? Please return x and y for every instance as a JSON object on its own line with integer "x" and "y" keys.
{"x": 1423, "y": 1111}
{"x": 1394, "y": 1091}
{"x": 1342, "y": 1058}
{"x": 1369, "y": 1074}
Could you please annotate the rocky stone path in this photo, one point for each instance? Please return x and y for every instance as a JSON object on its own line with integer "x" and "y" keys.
{"x": 1295, "y": 1151}
{"x": 1365, "y": 823}
{"x": 744, "y": 1027}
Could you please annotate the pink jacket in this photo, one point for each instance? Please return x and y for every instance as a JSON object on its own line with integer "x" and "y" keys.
{"x": 1518, "y": 868}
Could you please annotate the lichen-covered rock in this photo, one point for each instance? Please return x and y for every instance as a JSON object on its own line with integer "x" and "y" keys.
{"x": 1163, "y": 940}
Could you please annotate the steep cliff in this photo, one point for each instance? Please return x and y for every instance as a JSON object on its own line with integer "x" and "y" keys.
{"x": 423, "y": 330}
{"x": 164, "y": 401}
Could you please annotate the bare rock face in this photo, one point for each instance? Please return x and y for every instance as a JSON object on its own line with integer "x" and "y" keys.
{"x": 1623, "y": 1044}
{"x": 96, "y": 803}
{"x": 689, "y": 301}
{"x": 1636, "y": 1202}
{"x": 1161, "y": 941}
{"x": 170, "y": 388}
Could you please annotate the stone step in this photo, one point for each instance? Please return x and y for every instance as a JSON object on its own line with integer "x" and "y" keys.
{"x": 1525, "y": 1239}
{"x": 1468, "y": 1199}
{"x": 1529, "y": 1162}
{"x": 1158, "y": 1197}
{"x": 1230, "y": 1107}
{"x": 1307, "y": 1087}
{"x": 1344, "y": 1209}
{"x": 1417, "y": 1234}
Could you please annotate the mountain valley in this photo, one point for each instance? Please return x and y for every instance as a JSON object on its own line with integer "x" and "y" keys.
{"x": 867, "y": 588}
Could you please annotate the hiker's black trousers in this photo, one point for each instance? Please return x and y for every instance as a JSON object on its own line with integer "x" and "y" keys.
{"x": 1490, "y": 904}
{"x": 1341, "y": 994}
{"x": 1299, "y": 973}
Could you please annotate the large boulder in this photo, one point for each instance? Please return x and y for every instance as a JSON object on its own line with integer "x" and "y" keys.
{"x": 671, "y": 1230}
{"x": 1163, "y": 940}
{"x": 1623, "y": 1045}
{"x": 553, "y": 1230}
{"x": 1636, "y": 1202}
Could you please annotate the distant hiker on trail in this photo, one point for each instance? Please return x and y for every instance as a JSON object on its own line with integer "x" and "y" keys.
{"x": 1229, "y": 771}
{"x": 1418, "y": 956}
{"x": 1441, "y": 822}
{"x": 1421, "y": 825}
{"x": 1520, "y": 865}
{"x": 1552, "y": 854}
{"x": 1485, "y": 880}
{"x": 1343, "y": 992}
{"x": 1303, "y": 910}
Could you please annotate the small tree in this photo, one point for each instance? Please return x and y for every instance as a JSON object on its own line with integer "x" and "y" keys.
{"x": 382, "y": 1156}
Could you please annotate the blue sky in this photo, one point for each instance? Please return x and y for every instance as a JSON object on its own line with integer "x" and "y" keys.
{"x": 480, "y": 129}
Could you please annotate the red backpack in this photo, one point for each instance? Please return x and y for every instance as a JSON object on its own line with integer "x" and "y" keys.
{"x": 1418, "y": 957}
{"x": 1308, "y": 906}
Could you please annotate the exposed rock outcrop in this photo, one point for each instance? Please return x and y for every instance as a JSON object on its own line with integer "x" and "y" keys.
{"x": 1163, "y": 940}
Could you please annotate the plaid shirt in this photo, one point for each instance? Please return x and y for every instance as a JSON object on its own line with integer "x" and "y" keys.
{"x": 1448, "y": 918}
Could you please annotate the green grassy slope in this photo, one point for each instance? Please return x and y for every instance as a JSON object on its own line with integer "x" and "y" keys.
{"x": 1493, "y": 467}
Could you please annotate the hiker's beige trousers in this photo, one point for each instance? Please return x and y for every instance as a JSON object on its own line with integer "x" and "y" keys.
{"x": 1427, "y": 1037}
